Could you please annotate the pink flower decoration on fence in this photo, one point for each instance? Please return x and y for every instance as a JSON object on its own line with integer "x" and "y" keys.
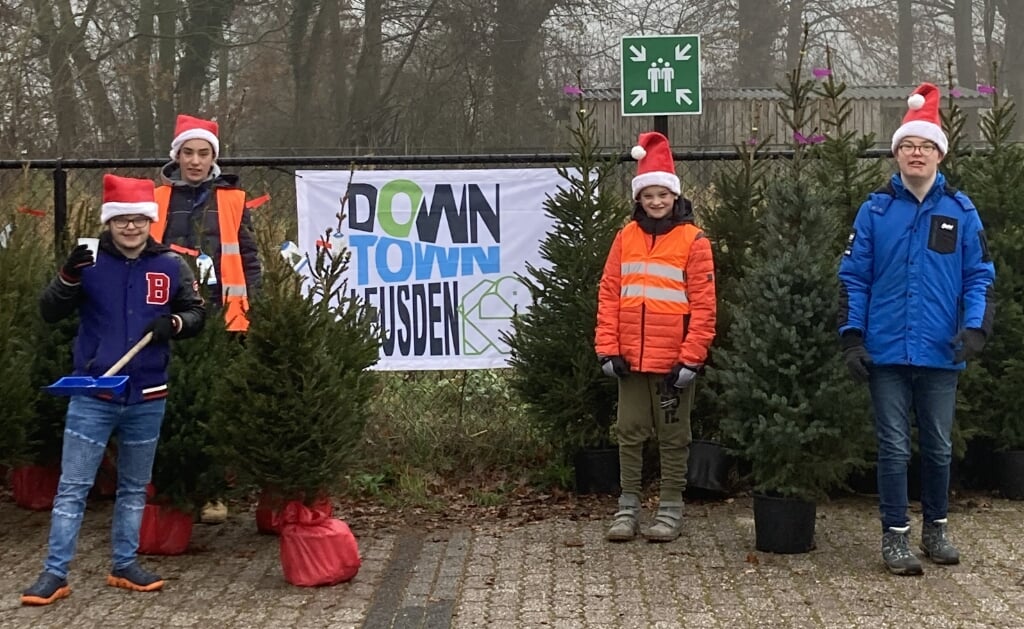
{"x": 800, "y": 138}
{"x": 572, "y": 90}
{"x": 986, "y": 89}
{"x": 821, "y": 73}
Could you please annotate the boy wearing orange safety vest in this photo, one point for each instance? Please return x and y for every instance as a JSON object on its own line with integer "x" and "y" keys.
{"x": 655, "y": 323}
{"x": 203, "y": 213}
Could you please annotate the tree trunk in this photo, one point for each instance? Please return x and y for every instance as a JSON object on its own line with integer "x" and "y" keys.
{"x": 794, "y": 32}
{"x": 110, "y": 133}
{"x": 758, "y": 25}
{"x": 167, "y": 25}
{"x": 905, "y": 42}
{"x": 204, "y": 29}
{"x": 517, "y": 116}
{"x": 58, "y": 51}
{"x": 142, "y": 88}
{"x": 1013, "y": 62}
{"x": 305, "y": 48}
{"x": 366, "y": 85}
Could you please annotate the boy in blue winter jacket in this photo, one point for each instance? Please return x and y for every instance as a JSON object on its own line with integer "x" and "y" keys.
{"x": 917, "y": 302}
{"x": 133, "y": 286}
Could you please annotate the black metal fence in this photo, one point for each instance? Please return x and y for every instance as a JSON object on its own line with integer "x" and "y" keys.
{"x": 57, "y": 190}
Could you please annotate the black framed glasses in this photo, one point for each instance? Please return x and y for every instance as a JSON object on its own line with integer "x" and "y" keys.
{"x": 906, "y": 148}
{"x": 123, "y": 221}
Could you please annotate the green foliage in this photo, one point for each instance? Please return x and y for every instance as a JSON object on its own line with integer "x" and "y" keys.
{"x": 186, "y": 472}
{"x": 21, "y": 276}
{"x": 292, "y": 403}
{"x": 554, "y": 366}
{"x": 793, "y": 412}
{"x": 953, "y": 121}
{"x": 794, "y": 415}
{"x": 990, "y": 388}
{"x": 839, "y": 167}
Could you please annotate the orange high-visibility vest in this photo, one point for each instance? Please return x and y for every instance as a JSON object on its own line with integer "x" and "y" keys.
{"x": 234, "y": 295}
{"x": 646, "y": 319}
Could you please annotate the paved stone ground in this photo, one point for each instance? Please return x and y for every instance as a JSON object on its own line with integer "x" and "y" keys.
{"x": 549, "y": 573}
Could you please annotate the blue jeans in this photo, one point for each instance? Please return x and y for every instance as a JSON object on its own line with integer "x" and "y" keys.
{"x": 931, "y": 393}
{"x": 89, "y": 425}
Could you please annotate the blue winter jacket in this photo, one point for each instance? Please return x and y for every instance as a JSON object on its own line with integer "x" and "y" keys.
{"x": 914, "y": 274}
{"x": 116, "y": 299}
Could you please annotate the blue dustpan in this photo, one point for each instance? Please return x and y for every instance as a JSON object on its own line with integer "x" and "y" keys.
{"x": 107, "y": 383}
{"x": 87, "y": 385}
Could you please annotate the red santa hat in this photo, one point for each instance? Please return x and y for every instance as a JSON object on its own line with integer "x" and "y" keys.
{"x": 124, "y": 196}
{"x": 192, "y": 128}
{"x": 922, "y": 119}
{"x": 654, "y": 163}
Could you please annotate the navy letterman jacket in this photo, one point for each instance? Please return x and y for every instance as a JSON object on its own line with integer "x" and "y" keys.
{"x": 116, "y": 299}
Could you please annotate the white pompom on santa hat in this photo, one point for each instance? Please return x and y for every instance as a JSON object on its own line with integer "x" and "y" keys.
{"x": 655, "y": 166}
{"x": 191, "y": 128}
{"x": 125, "y": 196}
{"x": 922, "y": 119}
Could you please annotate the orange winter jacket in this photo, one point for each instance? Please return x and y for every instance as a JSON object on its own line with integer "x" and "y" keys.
{"x": 656, "y": 301}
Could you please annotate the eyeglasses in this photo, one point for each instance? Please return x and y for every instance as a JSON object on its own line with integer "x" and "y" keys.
{"x": 122, "y": 221}
{"x": 909, "y": 149}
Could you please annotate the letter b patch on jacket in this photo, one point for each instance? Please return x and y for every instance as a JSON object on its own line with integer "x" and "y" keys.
{"x": 158, "y": 289}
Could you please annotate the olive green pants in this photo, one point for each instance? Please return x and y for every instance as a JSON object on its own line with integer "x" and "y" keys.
{"x": 648, "y": 407}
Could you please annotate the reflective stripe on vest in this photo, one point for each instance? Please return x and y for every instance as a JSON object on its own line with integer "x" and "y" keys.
{"x": 656, "y": 278}
{"x": 234, "y": 295}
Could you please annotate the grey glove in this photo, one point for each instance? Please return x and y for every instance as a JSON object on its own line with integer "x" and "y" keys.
{"x": 614, "y": 366}
{"x": 682, "y": 375}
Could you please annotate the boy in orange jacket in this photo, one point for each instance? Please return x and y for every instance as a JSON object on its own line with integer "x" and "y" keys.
{"x": 655, "y": 323}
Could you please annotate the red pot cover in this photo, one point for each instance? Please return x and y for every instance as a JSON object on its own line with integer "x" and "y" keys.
{"x": 268, "y": 512}
{"x": 35, "y": 486}
{"x": 165, "y": 531}
{"x": 316, "y": 549}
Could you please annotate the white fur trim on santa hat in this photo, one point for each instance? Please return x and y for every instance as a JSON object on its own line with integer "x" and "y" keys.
{"x": 194, "y": 134}
{"x": 655, "y": 178}
{"x": 921, "y": 129}
{"x": 111, "y": 209}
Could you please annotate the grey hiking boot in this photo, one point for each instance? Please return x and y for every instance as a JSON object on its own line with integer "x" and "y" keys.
{"x": 668, "y": 522}
{"x": 626, "y": 523}
{"x": 936, "y": 545}
{"x": 896, "y": 552}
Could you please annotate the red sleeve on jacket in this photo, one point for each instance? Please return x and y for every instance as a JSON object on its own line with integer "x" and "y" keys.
{"x": 606, "y": 337}
{"x": 700, "y": 286}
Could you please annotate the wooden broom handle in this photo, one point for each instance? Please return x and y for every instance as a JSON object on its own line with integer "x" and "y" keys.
{"x": 130, "y": 354}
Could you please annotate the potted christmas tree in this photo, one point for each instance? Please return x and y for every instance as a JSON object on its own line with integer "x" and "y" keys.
{"x": 555, "y": 370}
{"x": 793, "y": 412}
{"x": 292, "y": 402}
{"x": 186, "y": 475}
{"x": 990, "y": 388}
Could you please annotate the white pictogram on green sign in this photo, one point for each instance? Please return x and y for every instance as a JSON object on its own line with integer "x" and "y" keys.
{"x": 661, "y": 75}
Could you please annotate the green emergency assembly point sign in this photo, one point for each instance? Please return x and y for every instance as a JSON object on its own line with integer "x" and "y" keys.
{"x": 661, "y": 75}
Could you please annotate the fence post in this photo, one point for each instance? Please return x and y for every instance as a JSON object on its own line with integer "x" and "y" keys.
{"x": 60, "y": 208}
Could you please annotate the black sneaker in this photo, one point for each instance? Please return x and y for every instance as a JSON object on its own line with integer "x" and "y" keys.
{"x": 936, "y": 545}
{"x": 47, "y": 589}
{"x": 896, "y": 552}
{"x": 135, "y": 578}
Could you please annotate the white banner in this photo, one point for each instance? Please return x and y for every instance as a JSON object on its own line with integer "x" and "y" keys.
{"x": 436, "y": 252}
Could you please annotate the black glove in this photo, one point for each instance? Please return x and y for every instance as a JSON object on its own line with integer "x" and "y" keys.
{"x": 162, "y": 327}
{"x": 968, "y": 344}
{"x": 682, "y": 375}
{"x": 79, "y": 258}
{"x": 857, "y": 359}
{"x": 614, "y": 367}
